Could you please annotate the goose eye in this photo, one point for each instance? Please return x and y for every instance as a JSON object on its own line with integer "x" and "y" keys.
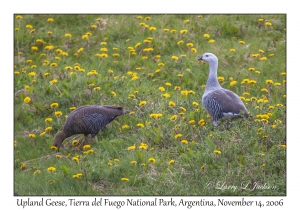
{"x": 206, "y": 55}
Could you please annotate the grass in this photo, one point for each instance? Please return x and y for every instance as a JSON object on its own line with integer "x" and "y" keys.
{"x": 131, "y": 56}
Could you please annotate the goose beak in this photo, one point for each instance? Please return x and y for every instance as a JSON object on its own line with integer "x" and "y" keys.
{"x": 200, "y": 59}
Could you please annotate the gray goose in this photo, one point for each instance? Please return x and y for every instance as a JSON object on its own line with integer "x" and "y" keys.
{"x": 87, "y": 120}
{"x": 220, "y": 103}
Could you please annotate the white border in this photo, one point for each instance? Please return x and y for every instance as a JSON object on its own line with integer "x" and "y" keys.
{"x": 139, "y": 7}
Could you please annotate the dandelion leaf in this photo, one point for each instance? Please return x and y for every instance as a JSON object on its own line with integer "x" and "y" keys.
{"x": 158, "y": 135}
{"x": 210, "y": 144}
{"x": 241, "y": 159}
{"x": 65, "y": 170}
{"x": 192, "y": 115}
{"x": 140, "y": 156}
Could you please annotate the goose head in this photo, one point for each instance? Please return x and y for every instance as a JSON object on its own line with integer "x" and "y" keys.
{"x": 209, "y": 58}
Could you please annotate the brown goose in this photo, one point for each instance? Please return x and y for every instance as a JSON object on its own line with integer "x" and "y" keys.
{"x": 220, "y": 103}
{"x": 87, "y": 120}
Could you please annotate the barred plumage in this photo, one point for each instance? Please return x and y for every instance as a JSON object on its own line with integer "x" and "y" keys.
{"x": 219, "y": 102}
{"x": 213, "y": 108}
{"x": 87, "y": 120}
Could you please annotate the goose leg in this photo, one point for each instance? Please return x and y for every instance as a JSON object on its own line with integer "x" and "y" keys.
{"x": 93, "y": 139}
{"x": 227, "y": 124}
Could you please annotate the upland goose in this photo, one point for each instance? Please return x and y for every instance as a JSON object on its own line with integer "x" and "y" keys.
{"x": 220, "y": 103}
{"x": 87, "y": 120}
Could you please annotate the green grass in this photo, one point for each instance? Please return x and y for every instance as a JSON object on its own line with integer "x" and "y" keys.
{"x": 251, "y": 150}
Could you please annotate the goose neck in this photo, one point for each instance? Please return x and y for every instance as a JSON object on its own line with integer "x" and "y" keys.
{"x": 212, "y": 81}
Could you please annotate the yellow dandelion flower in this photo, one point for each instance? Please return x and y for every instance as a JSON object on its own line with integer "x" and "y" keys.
{"x": 151, "y": 160}
{"x": 195, "y": 103}
{"x": 183, "y": 141}
{"x": 125, "y": 126}
{"x": 269, "y": 81}
{"x": 202, "y": 122}
{"x": 264, "y": 58}
{"x": 194, "y": 50}
{"x": 86, "y": 147}
{"x": 32, "y": 135}
{"x": 76, "y": 159}
{"x": 221, "y": 79}
{"x": 34, "y": 48}
{"x": 192, "y": 122}
{"x": 27, "y": 100}
{"x": 32, "y": 74}
{"x": 28, "y": 26}
{"x": 180, "y": 42}
{"x": 232, "y": 83}
{"x": 131, "y": 147}
{"x": 171, "y": 162}
{"x": 93, "y": 26}
{"x": 143, "y": 146}
{"x": 114, "y": 94}
{"x": 262, "y": 165}
{"x": 174, "y": 117}
{"x": 36, "y": 172}
{"x": 50, "y": 20}
{"x": 207, "y": 36}
{"x": 171, "y": 104}
{"x": 53, "y": 81}
{"x": 267, "y": 23}
{"x": 51, "y": 169}
{"x": 58, "y": 113}
{"x": 22, "y": 166}
{"x": 166, "y": 95}
{"x": 75, "y": 142}
{"x": 174, "y": 57}
{"x": 218, "y": 152}
{"x": 189, "y": 44}
{"x": 242, "y": 42}
{"x": 232, "y": 50}
{"x": 49, "y": 128}
{"x": 75, "y": 176}
{"x": 183, "y": 31}
{"x": 178, "y": 135}
{"x": 141, "y": 125}
{"x": 152, "y": 28}
{"x": 58, "y": 156}
{"x": 53, "y": 148}
{"x": 211, "y": 41}
{"x": 251, "y": 82}
{"x": 184, "y": 92}
{"x": 68, "y": 35}
{"x": 54, "y": 105}
{"x": 125, "y": 179}
{"x": 133, "y": 162}
{"x": 282, "y": 145}
{"x": 161, "y": 89}
{"x": 142, "y": 103}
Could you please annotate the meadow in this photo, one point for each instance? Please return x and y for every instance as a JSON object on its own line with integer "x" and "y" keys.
{"x": 149, "y": 65}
